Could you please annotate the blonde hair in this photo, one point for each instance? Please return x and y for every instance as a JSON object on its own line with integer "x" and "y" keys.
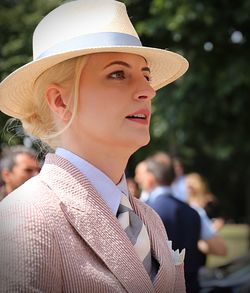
{"x": 198, "y": 189}
{"x": 40, "y": 122}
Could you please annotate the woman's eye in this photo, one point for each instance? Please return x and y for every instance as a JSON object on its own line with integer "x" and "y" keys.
{"x": 117, "y": 75}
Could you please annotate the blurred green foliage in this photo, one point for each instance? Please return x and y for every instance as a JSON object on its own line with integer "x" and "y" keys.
{"x": 203, "y": 117}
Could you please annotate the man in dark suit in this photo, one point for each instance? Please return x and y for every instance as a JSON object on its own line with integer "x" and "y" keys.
{"x": 182, "y": 222}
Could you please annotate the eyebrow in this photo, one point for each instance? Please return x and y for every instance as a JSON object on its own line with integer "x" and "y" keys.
{"x": 126, "y": 65}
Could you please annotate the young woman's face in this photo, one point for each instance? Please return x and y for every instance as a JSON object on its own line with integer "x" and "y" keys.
{"x": 115, "y": 101}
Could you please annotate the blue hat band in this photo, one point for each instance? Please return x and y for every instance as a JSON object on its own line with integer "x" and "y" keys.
{"x": 103, "y": 39}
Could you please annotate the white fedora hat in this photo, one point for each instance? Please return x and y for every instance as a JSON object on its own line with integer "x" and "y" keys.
{"x": 84, "y": 27}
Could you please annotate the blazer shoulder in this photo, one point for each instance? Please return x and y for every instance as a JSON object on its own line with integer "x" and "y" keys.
{"x": 34, "y": 190}
{"x": 33, "y": 200}
{"x": 28, "y": 237}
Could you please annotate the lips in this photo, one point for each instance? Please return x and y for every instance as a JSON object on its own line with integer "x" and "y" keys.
{"x": 141, "y": 116}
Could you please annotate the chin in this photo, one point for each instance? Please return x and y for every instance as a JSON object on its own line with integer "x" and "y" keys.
{"x": 140, "y": 142}
{"x": 132, "y": 141}
{"x": 146, "y": 141}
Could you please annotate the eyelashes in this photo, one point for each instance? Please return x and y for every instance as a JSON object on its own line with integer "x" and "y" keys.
{"x": 121, "y": 75}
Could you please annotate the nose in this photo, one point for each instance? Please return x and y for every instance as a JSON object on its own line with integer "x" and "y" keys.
{"x": 144, "y": 91}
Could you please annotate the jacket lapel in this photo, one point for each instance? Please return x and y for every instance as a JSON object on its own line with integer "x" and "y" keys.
{"x": 95, "y": 223}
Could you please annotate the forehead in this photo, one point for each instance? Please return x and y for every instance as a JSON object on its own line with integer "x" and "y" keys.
{"x": 107, "y": 57}
{"x": 25, "y": 159}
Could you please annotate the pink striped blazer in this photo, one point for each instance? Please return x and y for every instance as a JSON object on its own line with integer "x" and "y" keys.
{"x": 58, "y": 235}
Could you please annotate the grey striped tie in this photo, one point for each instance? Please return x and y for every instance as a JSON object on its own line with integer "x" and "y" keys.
{"x": 136, "y": 232}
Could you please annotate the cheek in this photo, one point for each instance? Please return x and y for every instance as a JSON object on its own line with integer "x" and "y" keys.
{"x": 16, "y": 173}
{"x": 91, "y": 101}
{"x": 100, "y": 109}
{"x": 23, "y": 175}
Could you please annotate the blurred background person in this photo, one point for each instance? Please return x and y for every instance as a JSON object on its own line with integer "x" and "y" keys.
{"x": 198, "y": 197}
{"x": 214, "y": 212}
{"x": 17, "y": 165}
{"x": 133, "y": 187}
{"x": 140, "y": 173}
{"x": 179, "y": 185}
{"x": 181, "y": 222}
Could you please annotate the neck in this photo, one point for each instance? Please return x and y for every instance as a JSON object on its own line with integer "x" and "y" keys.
{"x": 112, "y": 162}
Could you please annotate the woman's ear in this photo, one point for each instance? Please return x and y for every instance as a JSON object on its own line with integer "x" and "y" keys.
{"x": 58, "y": 100}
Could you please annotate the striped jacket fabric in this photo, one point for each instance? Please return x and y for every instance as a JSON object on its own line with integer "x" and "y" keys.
{"x": 58, "y": 235}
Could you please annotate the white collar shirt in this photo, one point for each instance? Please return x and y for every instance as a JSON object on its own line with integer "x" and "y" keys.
{"x": 107, "y": 189}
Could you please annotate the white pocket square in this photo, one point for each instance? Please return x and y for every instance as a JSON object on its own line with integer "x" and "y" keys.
{"x": 178, "y": 257}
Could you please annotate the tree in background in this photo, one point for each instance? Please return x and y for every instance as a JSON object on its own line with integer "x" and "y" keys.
{"x": 18, "y": 18}
{"x": 203, "y": 116}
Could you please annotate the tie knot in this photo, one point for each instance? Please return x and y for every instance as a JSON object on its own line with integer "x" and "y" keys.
{"x": 125, "y": 205}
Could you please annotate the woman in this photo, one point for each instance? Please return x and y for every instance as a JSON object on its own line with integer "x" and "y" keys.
{"x": 88, "y": 94}
{"x": 198, "y": 197}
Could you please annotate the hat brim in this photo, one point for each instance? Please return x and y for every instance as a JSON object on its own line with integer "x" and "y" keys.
{"x": 18, "y": 87}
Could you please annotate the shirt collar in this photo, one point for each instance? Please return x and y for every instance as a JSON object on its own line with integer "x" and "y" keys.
{"x": 106, "y": 188}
